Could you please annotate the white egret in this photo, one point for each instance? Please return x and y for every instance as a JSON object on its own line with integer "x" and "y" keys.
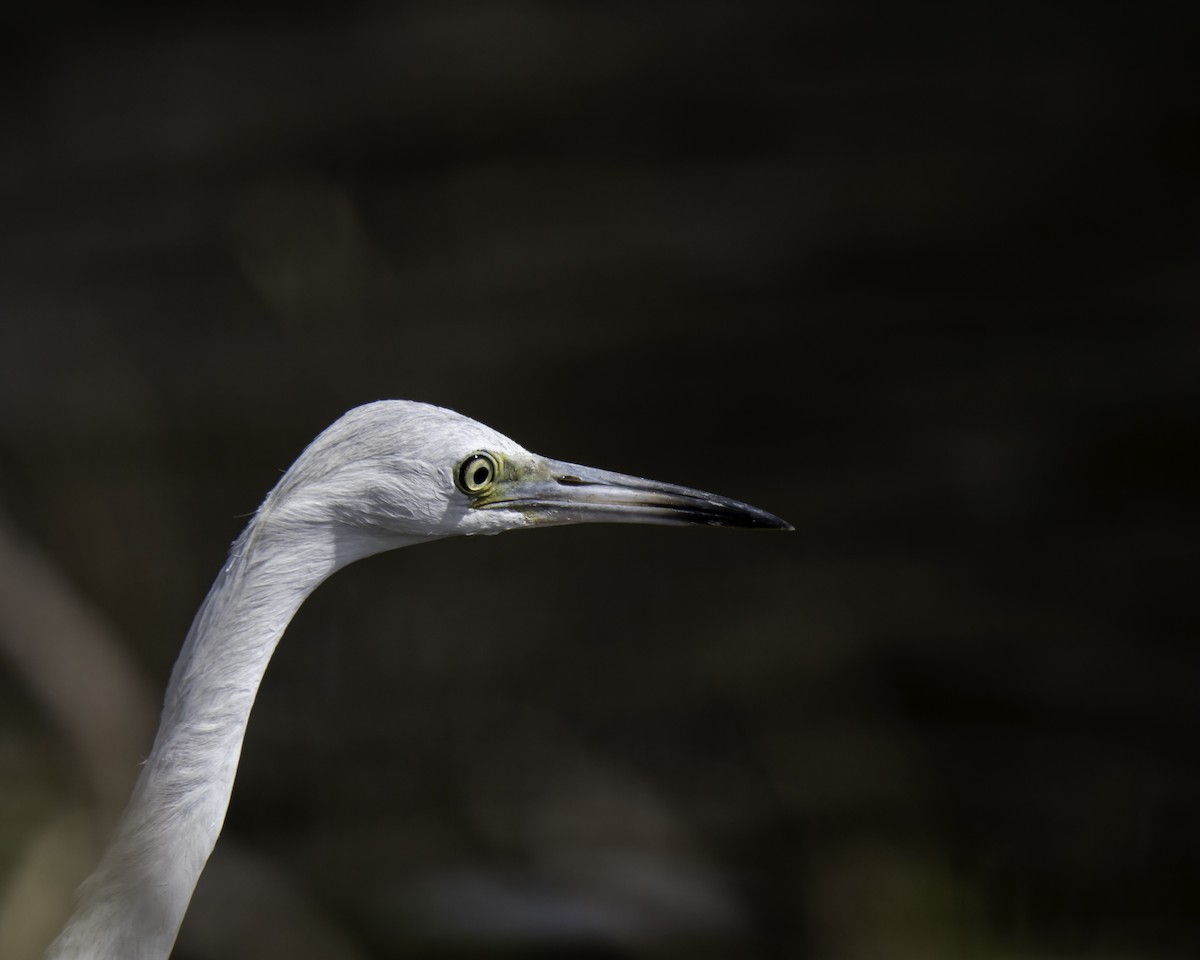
{"x": 388, "y": 474}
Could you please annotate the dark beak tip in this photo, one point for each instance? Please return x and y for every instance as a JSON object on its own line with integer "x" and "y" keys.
{"x": 761, "y": 519}
{"x": 751, "y": 518}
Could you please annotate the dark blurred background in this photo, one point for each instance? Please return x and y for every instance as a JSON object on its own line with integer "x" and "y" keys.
{"x": 920, "y": 278}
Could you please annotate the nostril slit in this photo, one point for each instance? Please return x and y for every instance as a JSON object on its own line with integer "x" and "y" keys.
{"x": 570, "y": 481}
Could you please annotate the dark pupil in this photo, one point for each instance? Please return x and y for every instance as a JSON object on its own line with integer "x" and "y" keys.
{"x": 480, "y": 475}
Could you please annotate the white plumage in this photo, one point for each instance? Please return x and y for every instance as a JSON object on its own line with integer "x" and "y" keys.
{"x": 386, "y": 475}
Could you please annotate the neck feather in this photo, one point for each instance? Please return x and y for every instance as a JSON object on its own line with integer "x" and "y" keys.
{"x": 132, "y": 906}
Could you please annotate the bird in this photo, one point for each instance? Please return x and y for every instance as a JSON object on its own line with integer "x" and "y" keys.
{"x": 388, "y": 474}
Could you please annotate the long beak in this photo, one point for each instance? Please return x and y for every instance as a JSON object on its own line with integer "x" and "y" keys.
{"x": 558, "y": 492}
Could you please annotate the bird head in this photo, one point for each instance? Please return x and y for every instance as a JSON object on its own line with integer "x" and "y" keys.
{"x": 403, "y": 472}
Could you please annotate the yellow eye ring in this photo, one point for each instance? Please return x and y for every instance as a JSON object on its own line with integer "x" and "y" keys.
{"x": 476, "y": 473}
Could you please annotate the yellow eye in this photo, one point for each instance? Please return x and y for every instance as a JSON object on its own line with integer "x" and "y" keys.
{"x": 476, "y": 473}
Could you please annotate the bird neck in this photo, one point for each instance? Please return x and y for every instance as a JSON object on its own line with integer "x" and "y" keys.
{"x": 132, "y": 906}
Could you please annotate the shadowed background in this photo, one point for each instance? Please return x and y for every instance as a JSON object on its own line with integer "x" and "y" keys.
{"x": 922, "y": 280}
